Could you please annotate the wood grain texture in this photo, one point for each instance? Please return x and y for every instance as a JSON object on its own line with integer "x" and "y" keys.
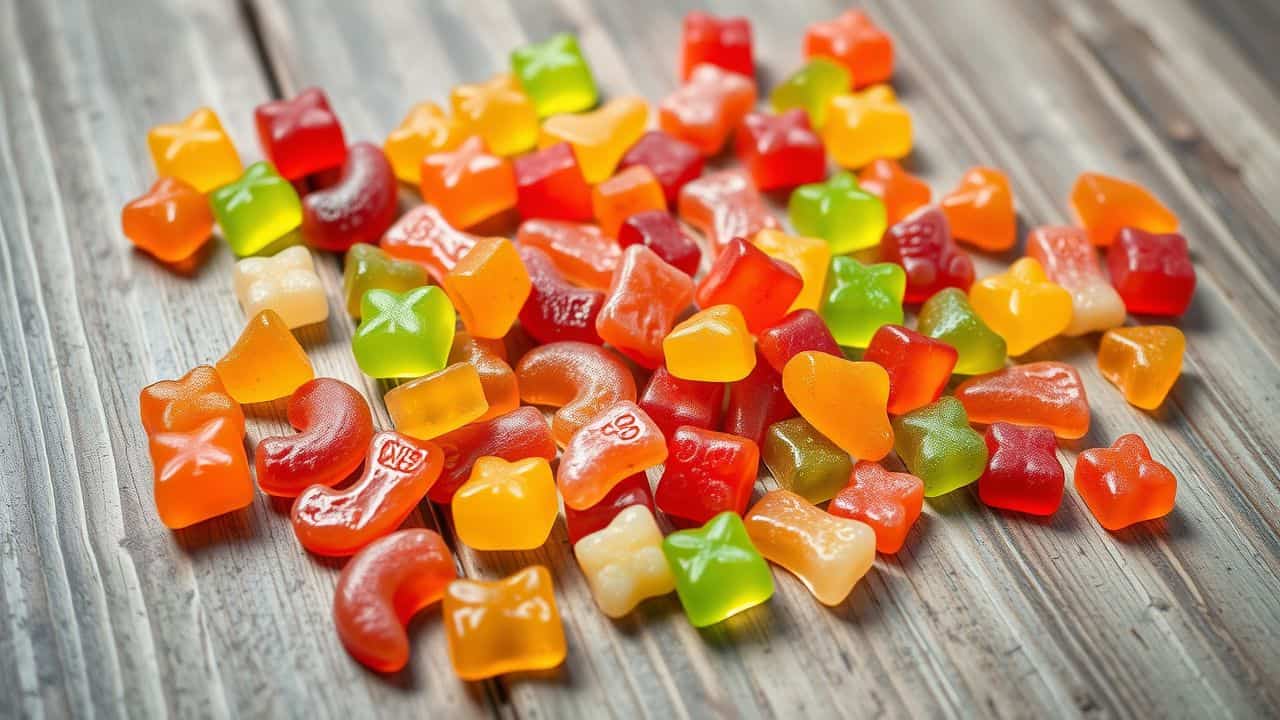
{"x": 983, "y": 613}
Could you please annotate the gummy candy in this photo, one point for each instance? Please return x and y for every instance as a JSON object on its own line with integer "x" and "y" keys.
{"x": 579, "y": 378}
{"x": 506, "y": 505}
{"x": 488, "y": 287}
{"x": 918, "y": 366}
{"x": 385, "y": 585}
{"x": 435, "y": 404}
{"x": 901, "y": 192}
{"x": 756, "y": 402}
{"x": 600, "y": 137}
{"x": 718, "y": 572}
{"x": 921, "y": 243}
{"x": 628, "y": 493}
{"x": 838, "y": 211}
{"x": 948, "y": 316}
{"x": 555, "y": 75}
{"x": 468, "y": 184}
{"x": 200, "y": 473}
{"x": 623, "y": 562}
{"x": 672, "y": 402}
{"x": 1103, "y": 205}
{"x": 980, "y": 210}
{"x": 863, "y": 126}
{"x": 425, "y": 237}
{"x": 616, "y": 443}
{"x": 862, "y": 298}
{"x": 854, "y": 41}
{"x": 519, "y": 434}
{"x": 403, "y": 334}
{"x": 188, "y": 402}
{"x": 367, "y": 267}
{"x": 498, "y": 112}
{"x": 426, "y": 129}
{"x": 334, "y": 426}
{"x": 706, "y": 473}
{"x": 196, "y": 151}
{"x": 658, "y": 231}
{"x": 256, "y": 209}
{"x": 497, "y": 378}
{"x": 843, "y": 400}
{"x": 937, "y": 445}
{"x": 1047, "y": 393}
{"x": 265, "y": 363}
{"x": 357, "y": 207}
{"x": 172, "y": 221}
{"x": 810, "y": 89}
{"x": 397, "y": 475}
{"x": 780, "y": 151}
{"x": 630, "y": 191}
{"x": 1070, "y": 260}
{"x": 1122, "y": 485}
{"x": 1021, "y": 305}
{"x": 1144, "y": 362}
{"x": 829, "y": 554}
{"x": 804, "y": 461}
{"x": 302, "y": 135}
{"x": 579, "y": 251}
{"x": 286, "y": 283}
{"x": 549, "y": 184}
{"x": 708, "y": 107}
{"x": 503, "y": 626}
{"x": 890, "y": 502}
{"x": 725, "y": 205}
{"x": 673, "y": 161}
{"x": 713, "y": 345}
{"x": 555, "y": 309}
{"x": 723, "y": 42}
{"x": 799, "y": 331}
{"x": 644, "y": 300}
{"x": 1023, "y": 472}
{"x": 1152, "y": 273}
{"x": 745, "y": 277}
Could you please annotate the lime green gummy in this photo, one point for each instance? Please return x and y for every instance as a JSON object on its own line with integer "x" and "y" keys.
{"x": 804, "y": 461}
{"x": 811, "y": 88}
{"x": 257, "y": 209}
{"x": 404, "y": 334}
{"x": 555, "y": 76}
{"x": 948, "y": 316}
{"x": 718, "y": 572}
{"x": 938, "y": 446}
{"x": 838, "y": 211}
{"x": 861, "y": 298}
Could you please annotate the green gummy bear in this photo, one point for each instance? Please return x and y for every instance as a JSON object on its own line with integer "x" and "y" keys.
{"x": 404, "y": 334}
{"x": 555, "y": 76}
{"x": 257, "y": 209}
{"x": 804, "y": 461}
{"x": 810, "y": 88}
{"x": 838, "y": 211}
{"x": 861, "y": 298}
{"x": 938, "y": 446}
{"x": 718, "y": 571}
{"x": 948, "y": 316}
{"x": 368, "y": 267}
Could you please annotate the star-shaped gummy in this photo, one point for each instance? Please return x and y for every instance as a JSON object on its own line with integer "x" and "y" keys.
{"x": 301, "y": 135}
{"x": 1122, "y": 485}
{"x": 403, "y": 334}
{"x": 840, "y": 212}
{"x": 861, "y": 298}
{"x": 182, "y": 404}
{"x": 257, "y": 209}
{"x": 718, "y": 571}
{"x": 200, "y": 473}
{"x": 196, "y": 150}
{"x": 555, "y": 75}
{"x": 499, "y": 112}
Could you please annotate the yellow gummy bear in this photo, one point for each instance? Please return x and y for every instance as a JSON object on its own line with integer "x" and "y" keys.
{"x": 1021, "y": 305}
{"x": 863, "y": 126}
{"x": 506, "y": 505}
{"x": 713, "y": 345}
{"x": 499, "y": 112}
{"x": 196, "y": 150}
{"x": 437, "y": 403}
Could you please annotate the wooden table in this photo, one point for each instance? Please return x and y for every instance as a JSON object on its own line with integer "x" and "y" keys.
{"x": 104, "y": 611}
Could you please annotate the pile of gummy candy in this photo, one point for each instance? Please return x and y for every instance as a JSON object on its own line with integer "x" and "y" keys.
{"x": 597, "y": 290}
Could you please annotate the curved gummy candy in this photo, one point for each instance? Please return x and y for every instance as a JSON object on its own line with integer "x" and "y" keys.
{"x": 578, "y": 378}
{"x": 521, "y": 433}
{"x": 385, "y": 585}
{"x": 358, "y": 207}
{"x": 556, "y": 310}
{"x": 334, "y": 426}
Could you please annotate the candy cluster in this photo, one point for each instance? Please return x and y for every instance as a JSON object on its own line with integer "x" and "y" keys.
{"x": 702, "y": 353}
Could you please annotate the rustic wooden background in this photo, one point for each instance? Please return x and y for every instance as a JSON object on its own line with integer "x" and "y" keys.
{"x": 104, "y": 611}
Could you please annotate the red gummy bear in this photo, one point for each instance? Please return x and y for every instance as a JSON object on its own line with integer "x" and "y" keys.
{"x": 1023, "y": 472}
{"x": 922, "y": 244}
{"x": 706, "y": 473}
{"x": 756, "y": 402}
{"x": 632, "y": 491}
{"x": 672, "y": 161}
{"x": 556, "y": 310}
{"x": 1122, "y": 485}
{"x": 300, "y": 136}
{"x": 760, "y": 286}
{"x": 520, "y": 434}
{"x": 658, "y": 231}
{"x": 918, "y": 366}
{"x": 800, "y": 331}
{"x": 725, "y": 42}
{"x": 1153, "y": 273}
{"x": 889, "y": 502}
{"x": 357, "y": 207}
{"x": 780, "y": 151}
{"x": 334, "y": 427}
{"x": 672, "y": 402}
{"x": 550, "y": 184}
